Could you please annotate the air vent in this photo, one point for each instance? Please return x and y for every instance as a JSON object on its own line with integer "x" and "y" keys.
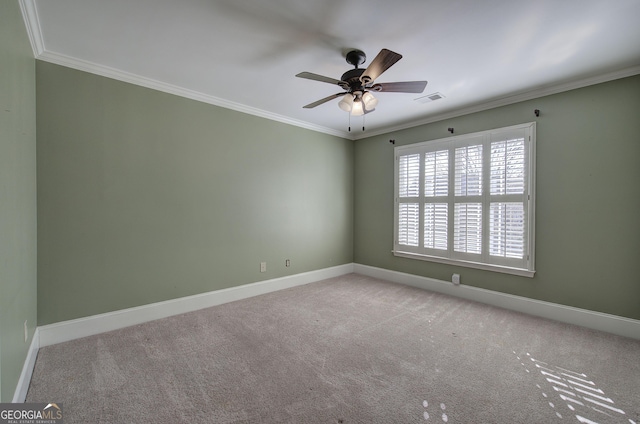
{"x": 430, "y": 97}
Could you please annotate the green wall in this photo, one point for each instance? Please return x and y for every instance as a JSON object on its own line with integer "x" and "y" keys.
{"x": 17, "y": 196}
{"x": 145, "y": 196}
{"x": 587, "y": 198}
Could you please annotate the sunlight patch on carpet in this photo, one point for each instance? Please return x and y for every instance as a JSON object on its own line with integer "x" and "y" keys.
{"x": 575, "y": 389}
{"x": 440, "y": 412}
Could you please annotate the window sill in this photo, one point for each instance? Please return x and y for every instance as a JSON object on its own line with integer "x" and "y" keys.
{"x": 486, "y": 267}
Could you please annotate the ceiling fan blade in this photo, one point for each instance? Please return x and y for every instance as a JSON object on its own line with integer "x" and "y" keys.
{"x": 383, "y": 61}
{"x": 325, "y": 100}
{"x": 316, "y": 77}
{"x": 400, "y": 87}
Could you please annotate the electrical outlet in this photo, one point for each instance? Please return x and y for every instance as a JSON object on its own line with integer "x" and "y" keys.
{"x": 26, "y": 331}
{"x": 287, "y": 263}
{"x": 263, "y": 267}
{"x": 455, "y": 279}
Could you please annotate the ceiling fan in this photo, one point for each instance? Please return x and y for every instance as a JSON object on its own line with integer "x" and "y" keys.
{"x": 358, "y": 83}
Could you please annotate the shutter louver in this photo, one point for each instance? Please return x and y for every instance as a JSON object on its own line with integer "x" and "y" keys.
{"x": 507, "y": 167}
{"x": 435, "y": 225}
{"x": 409, "y": 176}
{"x": 436, "y": 173}
{"x": 409, "y": 224}
{"x": 506, "y": 230}
{"x": 468, "y": 181}
{"x": 467, "y": 233}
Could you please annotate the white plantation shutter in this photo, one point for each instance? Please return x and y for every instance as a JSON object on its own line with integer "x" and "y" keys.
{"x": 507, "y": 167}
{"x": 507, "y": 219}
{"x": 468, "y": 179}
{"x": 408, "y": 229}
{"x": 467, "y": 212}
{"x": 436, "y": 173}
{"x": 436, "y": 185}
{"x": 409, "y": 176}
{"x": 506, "y": 232}
{"x": 467, "y": 233}
{"x": 436, "y": 219}
{"x": 468, "y": 200}
{"x": 409, "y": 224}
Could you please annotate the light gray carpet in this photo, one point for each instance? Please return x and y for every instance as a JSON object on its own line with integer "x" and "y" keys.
{"x": 347, "y": 350}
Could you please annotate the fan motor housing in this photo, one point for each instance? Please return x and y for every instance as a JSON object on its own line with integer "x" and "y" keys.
{"x": 351, "y": 80}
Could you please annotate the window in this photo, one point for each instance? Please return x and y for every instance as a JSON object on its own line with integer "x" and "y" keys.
{"x": 468, "y": 200}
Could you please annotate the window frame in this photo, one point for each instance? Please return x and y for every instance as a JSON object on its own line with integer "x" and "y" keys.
{"x": 485, "y": 261}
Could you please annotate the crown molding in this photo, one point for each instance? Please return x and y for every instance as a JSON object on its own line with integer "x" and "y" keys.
{"x": 508, "y": 100}
{"x": 113, "y": 73}
{"x": 32, "y": 24}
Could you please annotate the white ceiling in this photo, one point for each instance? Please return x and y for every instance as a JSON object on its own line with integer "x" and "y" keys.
{"x": 244, "y": 54}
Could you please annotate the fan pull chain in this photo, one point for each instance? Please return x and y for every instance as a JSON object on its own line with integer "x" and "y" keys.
{"x": 350, "y": 122}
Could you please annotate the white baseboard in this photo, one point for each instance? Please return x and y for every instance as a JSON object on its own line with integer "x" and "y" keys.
{"x": 27, "y": 369}
{"x": 74, "y": 329}
{"x": 614, "y": 324}
{"x": 82, "y": 327}
{"x": 95, "y": 324}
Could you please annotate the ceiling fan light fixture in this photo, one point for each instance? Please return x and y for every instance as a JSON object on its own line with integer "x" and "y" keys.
{"x": 369, "y": 100}
{"x": 357, "y": 109}
{"x": 346, "y": 103}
